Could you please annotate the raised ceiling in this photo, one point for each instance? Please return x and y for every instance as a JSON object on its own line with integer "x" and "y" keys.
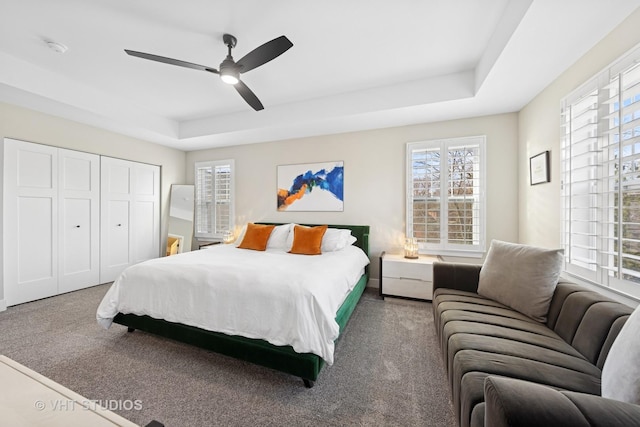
{"x": 356, "y": 64}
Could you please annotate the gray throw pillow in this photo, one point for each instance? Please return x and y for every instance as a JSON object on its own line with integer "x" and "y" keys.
{"x": 621, "y": 371}
{"x": 521, "y": 277}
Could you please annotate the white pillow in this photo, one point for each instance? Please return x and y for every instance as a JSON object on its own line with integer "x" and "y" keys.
{"x": 521, "y": 277}
{"x": 333, "y": 240}
{"x": 279, "y": 236}
{"x": 621, "y": 370}
{"x": 351, "y": 240}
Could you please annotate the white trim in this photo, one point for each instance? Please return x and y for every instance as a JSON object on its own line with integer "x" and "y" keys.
{"x": 3, "y": 305}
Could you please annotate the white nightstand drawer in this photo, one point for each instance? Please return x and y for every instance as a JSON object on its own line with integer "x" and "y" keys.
{"x": 408, "y": 278}
{"x": 408, "y": 288}
{"x": 407, "y": 269}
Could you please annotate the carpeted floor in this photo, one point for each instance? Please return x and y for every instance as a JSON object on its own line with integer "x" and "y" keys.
{"x": 387, "y": 370}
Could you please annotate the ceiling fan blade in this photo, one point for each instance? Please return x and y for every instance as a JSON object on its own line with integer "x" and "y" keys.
{"x": 170, "y": 61}
{"x": 263, "y": 54}
{"x": 248, "y": 96}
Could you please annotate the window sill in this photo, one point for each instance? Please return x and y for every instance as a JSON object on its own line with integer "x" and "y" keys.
{"x": 456, "y": 254}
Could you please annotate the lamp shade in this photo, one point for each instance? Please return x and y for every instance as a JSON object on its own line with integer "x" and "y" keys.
{"x": 411, "y": 248}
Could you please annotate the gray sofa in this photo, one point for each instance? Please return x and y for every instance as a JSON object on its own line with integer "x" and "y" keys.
{"x": 489, "y": 349}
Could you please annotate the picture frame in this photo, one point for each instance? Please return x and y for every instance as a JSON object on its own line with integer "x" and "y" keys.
{"x": 539, "y": 172}
{"x": 311, "y": 187}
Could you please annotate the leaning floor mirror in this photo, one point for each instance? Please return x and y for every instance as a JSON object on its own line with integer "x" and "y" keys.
{"x": 180, "y": 219}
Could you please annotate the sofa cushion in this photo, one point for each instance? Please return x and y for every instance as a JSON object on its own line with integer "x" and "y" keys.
{"x": 515, "y": 403}
{"x": 587, "y": 320}
{"x": 445, "y": 294}
{"x": 605, "y": 412}
{"x": 621, "y": 371}
{"x": 455, "y": 317}
{"x": 477, "y": 415}
{"x": 521, "y": 277}
{"x": 511, "y": 402}
{"x": 515, "y": 348}
{"x": 475, "y": 364}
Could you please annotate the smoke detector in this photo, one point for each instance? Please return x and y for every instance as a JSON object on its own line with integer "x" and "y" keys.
{"x": 56, "y": 47}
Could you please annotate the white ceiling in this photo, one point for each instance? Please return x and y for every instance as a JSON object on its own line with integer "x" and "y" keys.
{"x": 355, "y": 64}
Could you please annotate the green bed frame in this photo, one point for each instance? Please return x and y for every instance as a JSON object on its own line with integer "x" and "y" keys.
{"x": 282, "y": 358}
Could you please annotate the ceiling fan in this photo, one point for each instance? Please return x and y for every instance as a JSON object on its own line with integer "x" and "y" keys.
{"x": 230, "y": 70}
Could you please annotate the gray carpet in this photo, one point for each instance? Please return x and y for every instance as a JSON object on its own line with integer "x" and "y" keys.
{"x": 387, "y": 370}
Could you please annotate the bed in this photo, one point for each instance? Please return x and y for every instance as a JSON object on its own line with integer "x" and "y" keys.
{"x": 275, "y": 355}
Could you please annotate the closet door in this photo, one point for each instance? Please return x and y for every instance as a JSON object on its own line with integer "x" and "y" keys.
{"x": 145, "y": 215}
{"x": 115, "y": 206}
{"x": 79, "y": 220}
{"x": 30, "y": 221}
{"x": 130, "y": 207}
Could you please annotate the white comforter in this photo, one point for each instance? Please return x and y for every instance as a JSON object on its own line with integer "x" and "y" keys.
{"x": 282, "y": 298}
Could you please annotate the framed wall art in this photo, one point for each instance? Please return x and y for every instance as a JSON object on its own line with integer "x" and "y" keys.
{"x": 539, "y": 168}
{"x": 308, "y": 187}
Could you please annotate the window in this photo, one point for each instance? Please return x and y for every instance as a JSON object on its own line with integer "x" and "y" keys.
{"x": 446, "y": 211}
{"x": 214, "y": 199}
{"x": 601, "y": 177}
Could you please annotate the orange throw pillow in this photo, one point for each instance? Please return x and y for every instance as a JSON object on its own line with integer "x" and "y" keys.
{"x": 307, "y": 240}
{"x": 256, "y": 237}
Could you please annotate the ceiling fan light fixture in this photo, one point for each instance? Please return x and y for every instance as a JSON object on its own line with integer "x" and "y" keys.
{"x": 229, "y": 71}
{"x": 229, "y": 78}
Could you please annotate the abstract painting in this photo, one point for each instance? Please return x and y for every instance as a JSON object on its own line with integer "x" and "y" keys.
{"x": 311, "y": 187}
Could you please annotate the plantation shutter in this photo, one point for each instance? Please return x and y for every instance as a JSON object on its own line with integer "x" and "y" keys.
{"x": 580, "y": 177}
{"x": 621, "y": 252}
{"x": 601, "y": 177}
{"x": 445, "y": 196}
{"x": 222, "y": 198}
{"x": 214, "y": 199}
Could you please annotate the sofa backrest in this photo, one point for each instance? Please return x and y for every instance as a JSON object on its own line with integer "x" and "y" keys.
{"x": 587, "y": 320}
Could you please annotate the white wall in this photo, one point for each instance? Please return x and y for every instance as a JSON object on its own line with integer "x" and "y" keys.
{"x": 28, "y": 125}
{"x": 374, "y": 175}
{"x": 539, "y": 130}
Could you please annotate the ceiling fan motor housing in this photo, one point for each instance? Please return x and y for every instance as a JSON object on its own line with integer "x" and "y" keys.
{"x": 229, "y": 72}
{"x": 229, "y": 40}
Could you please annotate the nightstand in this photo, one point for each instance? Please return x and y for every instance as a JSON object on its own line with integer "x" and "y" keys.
{"x": 406, "y": 278}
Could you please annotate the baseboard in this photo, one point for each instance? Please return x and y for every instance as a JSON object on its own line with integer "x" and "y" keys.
{"x": 3, "y": 305}
{"x": 373, "y": 283}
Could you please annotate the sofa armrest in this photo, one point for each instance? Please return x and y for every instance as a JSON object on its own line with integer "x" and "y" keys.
{"x": 452, "y": 275}
{"x": 518, "y": 403}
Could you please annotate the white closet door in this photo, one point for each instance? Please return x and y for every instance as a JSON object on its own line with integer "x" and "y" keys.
{"x": 130, "y": 222}
{"x": 30, "y": 221}
{"x": 79, "y": 220}
{"x": 145, "y": 219}
{"x": 115, "y": 205}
